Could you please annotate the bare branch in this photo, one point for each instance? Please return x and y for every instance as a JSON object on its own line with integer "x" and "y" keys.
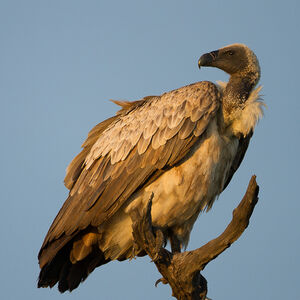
{"x": 182, "y": 270}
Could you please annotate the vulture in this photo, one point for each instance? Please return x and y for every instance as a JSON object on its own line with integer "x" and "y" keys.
{"x": 181, "y": 148}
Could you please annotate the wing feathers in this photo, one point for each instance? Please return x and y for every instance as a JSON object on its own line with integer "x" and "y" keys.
{"x": 196, "y": 114}
{"x": 174, "y": 120}
{"x": 200, "y": 127}
{"x": 124, "y": 152}
{"x": 135, "y": 161}
{"x": 149, "y": 130}
{"x": 158, "y": 119}
{"x": 143, "y": 145}
{"x": 75, "y": 167}
{"x": 186, "y": 128}
{"x": 158, "y": 139}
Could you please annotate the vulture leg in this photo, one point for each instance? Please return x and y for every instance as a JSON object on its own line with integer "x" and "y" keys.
{"x": 147, "y": 238}
{"x": 175, "y": 243}
{"x": 160, "y": 241}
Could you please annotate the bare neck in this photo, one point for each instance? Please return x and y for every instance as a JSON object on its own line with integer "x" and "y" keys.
{"x": 237, "y": 92}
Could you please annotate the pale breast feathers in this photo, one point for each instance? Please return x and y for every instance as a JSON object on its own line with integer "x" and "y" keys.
{"x": 121, "y": 156}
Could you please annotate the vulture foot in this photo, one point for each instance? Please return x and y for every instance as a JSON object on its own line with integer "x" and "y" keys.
{"x": 144, "y": 233}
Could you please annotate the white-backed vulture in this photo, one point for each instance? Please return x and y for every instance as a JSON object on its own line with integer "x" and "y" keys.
{"x": 183, "y": 146}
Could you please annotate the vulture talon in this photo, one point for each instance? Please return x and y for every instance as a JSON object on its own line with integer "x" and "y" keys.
{"x": 162, "y": 280}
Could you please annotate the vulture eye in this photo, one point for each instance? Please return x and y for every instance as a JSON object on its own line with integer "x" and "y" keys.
{"x": 230, "y": 52}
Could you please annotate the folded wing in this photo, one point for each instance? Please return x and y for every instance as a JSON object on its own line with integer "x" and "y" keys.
{"x": 124, "y": 153}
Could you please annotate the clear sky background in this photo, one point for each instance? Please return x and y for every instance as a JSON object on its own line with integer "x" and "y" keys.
{"x": 60, "y": 62}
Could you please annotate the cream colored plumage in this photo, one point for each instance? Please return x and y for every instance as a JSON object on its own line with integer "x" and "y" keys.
{"x": 183, "y": 146}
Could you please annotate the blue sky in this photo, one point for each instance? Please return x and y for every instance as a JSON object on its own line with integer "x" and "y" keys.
{"x": 60, "y": 63}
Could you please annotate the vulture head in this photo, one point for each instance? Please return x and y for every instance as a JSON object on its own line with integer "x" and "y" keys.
{"x": 236, "y": 59}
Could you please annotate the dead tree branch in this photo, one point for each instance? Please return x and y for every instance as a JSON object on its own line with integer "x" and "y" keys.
{"x": 182, "y": 270}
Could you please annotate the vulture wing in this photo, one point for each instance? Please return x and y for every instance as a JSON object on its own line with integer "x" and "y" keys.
{"x": 124, "y": 152}
{"x": 241, "y": 151}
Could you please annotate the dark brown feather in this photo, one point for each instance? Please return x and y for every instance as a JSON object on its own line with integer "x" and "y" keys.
{"x": 242, "y": 148}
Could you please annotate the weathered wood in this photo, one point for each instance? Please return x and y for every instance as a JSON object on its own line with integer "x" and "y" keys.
{"x": 182, "y": 270}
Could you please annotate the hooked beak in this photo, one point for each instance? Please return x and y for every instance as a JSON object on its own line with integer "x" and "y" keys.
{"x": 207, "y": 59}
